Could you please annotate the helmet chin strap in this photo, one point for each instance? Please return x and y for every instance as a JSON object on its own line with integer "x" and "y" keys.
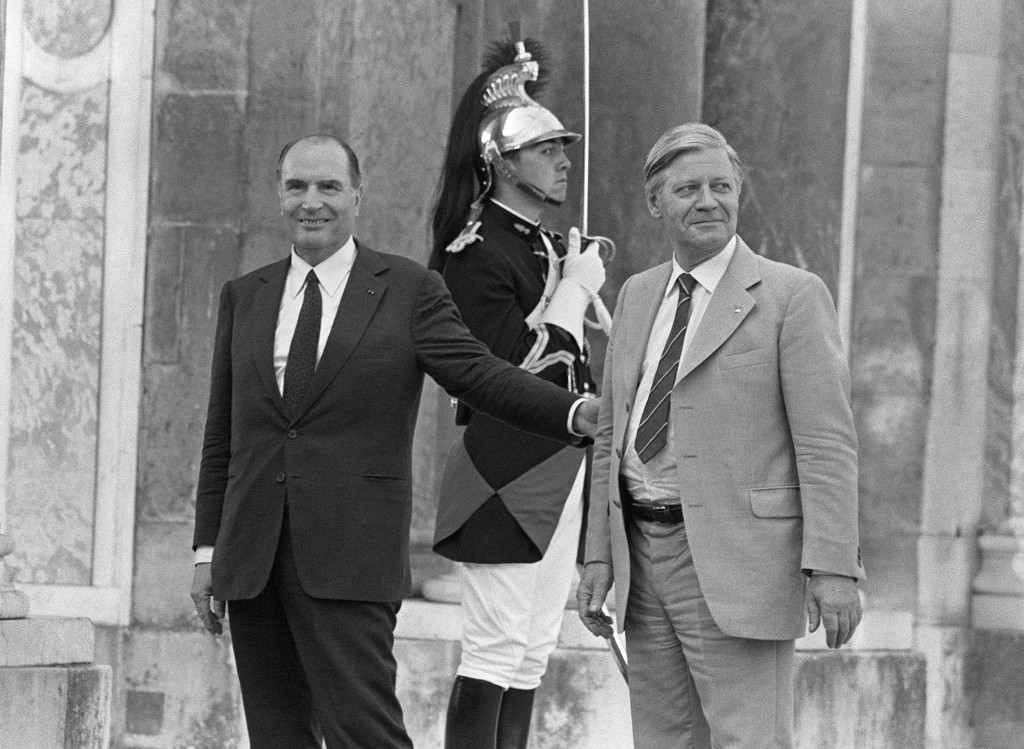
{"x": 502, "y": 167}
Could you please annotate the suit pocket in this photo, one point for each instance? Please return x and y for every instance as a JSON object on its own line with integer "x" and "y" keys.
{"x": 776, "y": 502}
{"x": 746, "y": 358}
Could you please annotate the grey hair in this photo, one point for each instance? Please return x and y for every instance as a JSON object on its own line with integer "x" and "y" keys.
{"x": 687, "y": 138}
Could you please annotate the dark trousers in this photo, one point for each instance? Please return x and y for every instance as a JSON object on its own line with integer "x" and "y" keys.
{"x": 313, "y": 668}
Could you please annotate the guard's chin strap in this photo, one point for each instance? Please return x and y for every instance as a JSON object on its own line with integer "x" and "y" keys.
{"x": 501, "y": 167}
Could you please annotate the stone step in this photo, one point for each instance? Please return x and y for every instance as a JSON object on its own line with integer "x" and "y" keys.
{"x": 46, "y": 641}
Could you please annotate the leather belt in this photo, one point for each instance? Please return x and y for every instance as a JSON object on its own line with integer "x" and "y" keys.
{"x": 664, "y": 514}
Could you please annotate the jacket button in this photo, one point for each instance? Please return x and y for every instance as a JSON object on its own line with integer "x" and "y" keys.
{"x": 280, "y": 477}
{"x": 292, "y": 434}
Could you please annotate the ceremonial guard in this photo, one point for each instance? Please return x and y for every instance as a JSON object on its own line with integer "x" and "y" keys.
{"x": 511, "y": 503}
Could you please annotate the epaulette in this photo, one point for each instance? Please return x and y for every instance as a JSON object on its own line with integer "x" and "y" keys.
{"x": 466, "y": 237}
{"x": 468, "y": 234}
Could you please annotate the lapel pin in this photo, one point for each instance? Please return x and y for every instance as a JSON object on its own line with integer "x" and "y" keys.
{"x": 370, "y": 292}
{"x": 738, "y": 309}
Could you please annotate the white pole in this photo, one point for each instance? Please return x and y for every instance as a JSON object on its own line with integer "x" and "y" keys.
{"x": 584, "y": 223}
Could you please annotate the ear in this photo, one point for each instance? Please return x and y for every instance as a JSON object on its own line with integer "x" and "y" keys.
{"x": 358, "y": 199}
{"x": 653, "y": 203}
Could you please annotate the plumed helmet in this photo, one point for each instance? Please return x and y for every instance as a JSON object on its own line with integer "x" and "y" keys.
{"x": 511, "y": 119}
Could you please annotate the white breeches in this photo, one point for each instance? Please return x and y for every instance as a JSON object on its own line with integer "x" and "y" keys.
{"x": 512, "y": 613}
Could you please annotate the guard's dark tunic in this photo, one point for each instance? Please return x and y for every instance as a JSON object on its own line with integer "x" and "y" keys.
{"x": 503, "y": 489}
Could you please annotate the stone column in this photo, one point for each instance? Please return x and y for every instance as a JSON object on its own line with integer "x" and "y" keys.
{"x": 955, "y": 456}
{"x": 998, "y": 589}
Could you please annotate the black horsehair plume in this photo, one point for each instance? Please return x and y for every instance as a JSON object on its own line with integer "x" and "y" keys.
{"x": 502, "y": 52}
{"x": 464, "y": 172}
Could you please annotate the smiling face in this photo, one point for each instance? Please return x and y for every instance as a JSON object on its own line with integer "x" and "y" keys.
{"x": 318, "y": 199}
{"x": 545, "y": 166}
{"x": 698, "y": 202}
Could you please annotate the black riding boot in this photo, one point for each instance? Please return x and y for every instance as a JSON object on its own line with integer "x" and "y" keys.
{"x": 514, "y": 719}
{"x": 472, "y": 714}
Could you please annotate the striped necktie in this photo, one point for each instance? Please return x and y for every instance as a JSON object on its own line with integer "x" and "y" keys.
{"x": 653, "y": 431}
{"x": 301, "y": 364}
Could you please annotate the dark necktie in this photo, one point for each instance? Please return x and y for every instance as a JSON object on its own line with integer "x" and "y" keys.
{"x": 652, "y": 434}
{"x": 301, "y": 364}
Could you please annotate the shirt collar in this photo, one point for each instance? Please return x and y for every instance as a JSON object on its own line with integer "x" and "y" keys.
{"x": 708, "y": 273}
{"x": 330, "y": 273}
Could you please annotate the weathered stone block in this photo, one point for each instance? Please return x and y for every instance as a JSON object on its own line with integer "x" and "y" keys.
{"x": 405, "y": 49}
{"x": 204, "y": 43}
{"x": 87, "y": 720}
{"x": 54, "y": 708}
{"x": 177, "y": 689}
{"x": 171, "y": 438}
{"x": 915, "y": 25}
{"x": 197, "y": 171}
{"x": 45, "y": 641}
{"x": 898, "y": 221}
{"x": 904, "y": 103}
{"x": 163, "y": 572}
{"x": 995, "y": 682}
{"x": 187, "y": 268}
{"x": 858, "y": 700}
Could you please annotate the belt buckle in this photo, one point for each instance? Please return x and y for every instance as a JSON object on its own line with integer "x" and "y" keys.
{"x": 662, "y": 514}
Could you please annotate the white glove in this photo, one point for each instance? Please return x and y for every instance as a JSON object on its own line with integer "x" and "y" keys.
{"x": 568, "y": 304}
{"x": 585, "y": 268}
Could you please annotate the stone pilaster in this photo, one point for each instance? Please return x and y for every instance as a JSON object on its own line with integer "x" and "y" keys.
{"x": 955, "y": 456}
{"x": 998, "y": 589}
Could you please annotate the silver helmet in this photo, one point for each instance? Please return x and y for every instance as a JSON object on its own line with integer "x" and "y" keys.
{"x": 512, "y": 120}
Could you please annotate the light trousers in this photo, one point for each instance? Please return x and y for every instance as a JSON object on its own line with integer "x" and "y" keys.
{"x": 512, "y": 613}
{"x": 691, "y": 686}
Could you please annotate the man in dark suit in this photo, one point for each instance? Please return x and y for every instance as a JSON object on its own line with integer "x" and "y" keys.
{"x": 304, "y": 498}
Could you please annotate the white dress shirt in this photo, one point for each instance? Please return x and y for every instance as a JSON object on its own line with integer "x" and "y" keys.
{"x": 656, "y": 481}
{"x": 332, "y": 275}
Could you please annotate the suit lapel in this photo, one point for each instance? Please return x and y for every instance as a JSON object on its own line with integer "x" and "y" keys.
{"x": 727, "y": 308}
{"x": 649, "y": 293}
{"x": 266, "y": 306}
{"x": 363, "y": 294}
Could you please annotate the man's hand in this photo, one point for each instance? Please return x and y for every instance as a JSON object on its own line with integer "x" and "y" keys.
{"x": 595, "y": 582}
{"x": 832, "y": 600}
{"x": 202, "y": 596}
{"x": 584, "y": 421}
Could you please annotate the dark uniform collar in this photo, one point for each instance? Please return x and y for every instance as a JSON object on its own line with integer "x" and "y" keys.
{"x": 500, "y": 215}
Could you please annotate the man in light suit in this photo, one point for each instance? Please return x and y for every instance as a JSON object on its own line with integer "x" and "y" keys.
{"x": 304, "y": 496}
{"x": 724, "y": 501}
